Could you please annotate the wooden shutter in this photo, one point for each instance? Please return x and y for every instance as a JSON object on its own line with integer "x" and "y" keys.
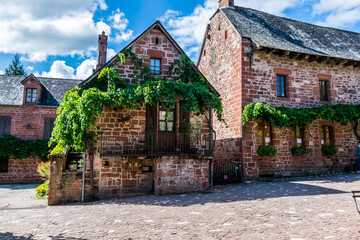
{"x": 151, "y": 124}
{"x": 5, "y": 126}
{"x": 4, "y": 163}
{"x": 48, "y": 127}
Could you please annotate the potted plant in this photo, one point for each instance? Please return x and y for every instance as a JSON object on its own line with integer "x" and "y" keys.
{"x": 73, "y": 165}
{"x": 299, "y": 151}
{"x": 329, "y": 149}
{"x": 267, "y": 151}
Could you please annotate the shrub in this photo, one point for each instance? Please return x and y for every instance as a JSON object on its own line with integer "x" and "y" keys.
{"x": 43, "y": 189}
{"x": 299, "y": 151}
{"x": 44, "y": 170}
{"x": 266, "y": 151}
{"x": 329, "y": 149}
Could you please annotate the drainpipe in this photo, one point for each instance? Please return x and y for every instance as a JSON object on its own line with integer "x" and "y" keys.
{"x": 83, "y": 179}
{"x": 211, "y": 147}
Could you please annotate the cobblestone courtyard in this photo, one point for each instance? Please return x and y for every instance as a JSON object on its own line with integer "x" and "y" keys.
{"x": 302, "y": 208}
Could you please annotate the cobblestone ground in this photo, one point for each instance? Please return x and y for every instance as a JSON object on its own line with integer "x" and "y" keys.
{"x": 12, "y": 195}
{"x": 302, "y": 208}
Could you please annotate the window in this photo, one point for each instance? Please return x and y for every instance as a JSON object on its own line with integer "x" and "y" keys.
{"x": 297, "y": 137}
{"x": 155, "y": 66}
{"x": 323, "y": 90}
{"x": 31, "y": 94}
{"x": 48, "y": 127}
{"x": 294, "y": 37}
{"x": 4, "y": 164}
{"x": 166, "y": 123}
{"x": 326, "y": 135}
{"x": 226, "y": 35}
{"x": 5, "y": 126}
{"x": 281, "y": 85}
{"x": 264, "y": 134}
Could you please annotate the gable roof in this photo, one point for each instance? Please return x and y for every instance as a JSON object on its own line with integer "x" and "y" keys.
{"x": 131, "y": 44}
{"x": 54, "y": 89}
{"x": 267, "y": 30}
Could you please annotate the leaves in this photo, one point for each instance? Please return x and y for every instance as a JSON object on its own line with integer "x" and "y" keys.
{"x": 290, "y": 117}
{"x": 81, "y": 107}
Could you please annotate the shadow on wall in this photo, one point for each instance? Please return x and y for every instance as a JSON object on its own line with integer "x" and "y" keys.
{"x": 9, "y": 235}
{"x": 241, "y": 192}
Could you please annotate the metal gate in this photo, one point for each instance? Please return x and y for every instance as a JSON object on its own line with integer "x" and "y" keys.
{"x": 226, "y": 173}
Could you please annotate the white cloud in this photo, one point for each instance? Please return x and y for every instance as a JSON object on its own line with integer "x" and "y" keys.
{"x": 339, "y": 13}
{"x": 85, "y": 69}
{"x": 2, "y": 72}
{"x": 29, "y": 68}
{"x": 119, "y": 22}
{"x": 110, "y": 53}
{"x": 189, "y": 30}
{"x": 40, "y": 28}
{"x": 59, "y": 69}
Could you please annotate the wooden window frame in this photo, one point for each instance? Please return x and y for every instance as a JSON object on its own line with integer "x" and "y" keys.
{"x": 32, "y": 90}
{"x": 281, "y": 86}
{"x": 173, "y": 111}
{"x": 52, "y": 121}
{"x": 5, "y": 131}
{"x": 297, "y": 133}
{"x": 4, "y": 165}
{"x": 261, "y": 139}
{"x": 324, "y": 93}
{"x": 326, "y": 140}
{"x": 157, "y": 69}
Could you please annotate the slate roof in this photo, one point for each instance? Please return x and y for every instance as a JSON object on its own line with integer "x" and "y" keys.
{"x": 54, "y": 89}
{"x": 267, "y": 30}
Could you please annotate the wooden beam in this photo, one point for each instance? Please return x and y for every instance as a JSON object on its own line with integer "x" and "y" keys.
{"x": 279, "y": 53}
{"x": 321, "y": 59}
{"x": 294, "y": 55}
{"x": 313, "y": 58}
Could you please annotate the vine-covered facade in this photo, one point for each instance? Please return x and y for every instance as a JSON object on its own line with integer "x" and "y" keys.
{"x": 153, "y": 127}
{"x": 250, "y": 57}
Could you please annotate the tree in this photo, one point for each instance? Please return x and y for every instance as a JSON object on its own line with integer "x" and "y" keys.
{"x": 15, "y": 68}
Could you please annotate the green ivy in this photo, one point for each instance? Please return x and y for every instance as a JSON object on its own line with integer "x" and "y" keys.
{"x": 11, "y": 146}
{"x": 81, "y": 107}
{"x": 299, "y": 151}
{"x": 267, "y": 151}
{"x": 329, "y": 149}
{"x": 290, "y": 117}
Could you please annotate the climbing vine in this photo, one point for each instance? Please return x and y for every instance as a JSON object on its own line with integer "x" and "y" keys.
{"x": 81, "y": 107}
{"x": 11, "y": 146}
{"x": 289, "y": 117}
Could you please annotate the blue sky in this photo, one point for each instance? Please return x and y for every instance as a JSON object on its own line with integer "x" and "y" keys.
{"x": 59, "y": 38}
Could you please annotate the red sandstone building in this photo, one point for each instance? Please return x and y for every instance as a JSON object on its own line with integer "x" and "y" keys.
{"x": 139, "y": 151}
{"x": 27, "y": 111}
{"x": 251, "y": 56}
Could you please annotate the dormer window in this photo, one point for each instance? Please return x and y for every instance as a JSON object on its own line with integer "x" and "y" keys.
{"x": 31, "y": 94}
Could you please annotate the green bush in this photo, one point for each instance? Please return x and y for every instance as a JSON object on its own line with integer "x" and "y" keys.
{"x": 299, "y": 151}
{"x": 329, "y": 149}
{"x": 44, "y": 170}
{"x": 266, "y": 151}
{"x": 43, "y": 189}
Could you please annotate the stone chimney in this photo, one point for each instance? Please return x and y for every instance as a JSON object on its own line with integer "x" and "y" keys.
{"x": 102, "y": 48}
{"x": 226, "y": 3}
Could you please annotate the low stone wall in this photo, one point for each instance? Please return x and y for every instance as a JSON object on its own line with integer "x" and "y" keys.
{"x": 21, "y": 171}
{"x": 129, "y": 176}
{"x": 180, "y": 175}
{"x": 64, "y": 186}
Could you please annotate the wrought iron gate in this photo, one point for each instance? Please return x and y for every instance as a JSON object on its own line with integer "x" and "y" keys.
{"x": 226, "y": 173}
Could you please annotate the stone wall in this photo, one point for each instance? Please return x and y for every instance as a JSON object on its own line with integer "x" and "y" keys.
{"x": 21, "y": 171}
{"x": 181, "y": 175}
{"x": 242, "y": 80}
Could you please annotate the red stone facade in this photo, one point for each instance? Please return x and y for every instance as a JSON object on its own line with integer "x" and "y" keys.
{"x": 124, "y": 166}
{"x": 27, "y": 122}
{"x": 21, "y": 171}
{"x": 242, "y": 80}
